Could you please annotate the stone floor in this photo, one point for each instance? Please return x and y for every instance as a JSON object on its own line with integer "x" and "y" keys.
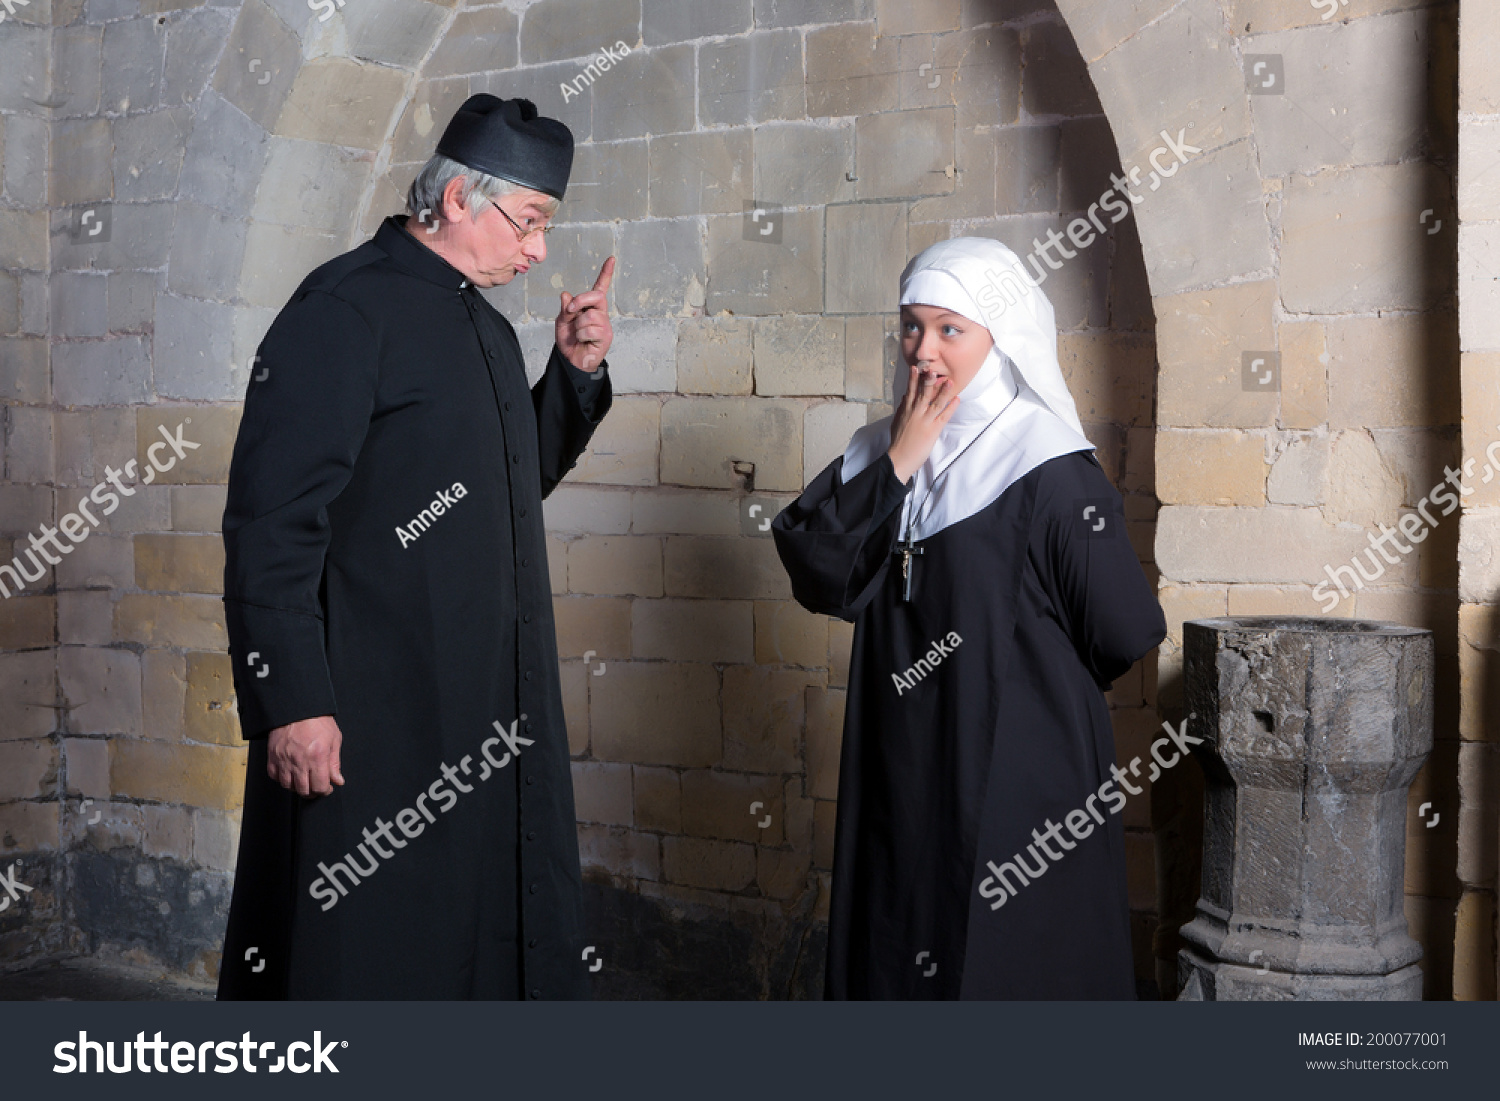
{"x": 87, "y": 980}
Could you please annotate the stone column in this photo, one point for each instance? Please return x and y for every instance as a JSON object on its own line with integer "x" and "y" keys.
{"x": 1312, "y": 730}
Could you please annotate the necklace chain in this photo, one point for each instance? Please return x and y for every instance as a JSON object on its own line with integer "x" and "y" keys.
{"x": 913, "y": 515}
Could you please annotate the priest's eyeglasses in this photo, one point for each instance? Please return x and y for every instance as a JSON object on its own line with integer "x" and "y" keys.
{"x": 522, "y": 232}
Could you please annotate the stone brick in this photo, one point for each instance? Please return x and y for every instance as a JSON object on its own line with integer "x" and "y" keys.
{"x": 341, "y": 102}
{"x": 701, "y": 173}
{"x": 167, "y": 832}
{"x": 757, "y": 277}
{"x": 278, "y": 258}
{"x": 320, "y": 177}
{"x": 649, "y": 92}
{"x": 89, "y": 441}
{"x": 799, "y": 355}
{"x": 1304, "y": 373}
{"x": 658, "y": 799}
{"x": 28, "y": 770}
{"x": 194, "y": 350}
{"x": 681, "y": 20}
{"x": 76, "y": 58}
{"x": 258, "y": 37}
{"x": 1360, "y": 488}
{"x": 103, "y": 687}
{"x": 429, "y": 112}
{"x": 1478, "y": 259}
{"x": 87, "y": 762}
{"x": 216, "y": 840}
{"x": 1362, "y": 77}
{"x": 620, "y": 852}
{"x": 714, "y": 865}
{"x": 28, "y": 445}
{"x": 207, "y": 251}
{"x": 208, "y": 707}
{"x": 557, "y": 564}
{"x": 601, "y": 793}
{"x": 23, "y": 369}
{"x": 1479, "y": 565}
{"x": 608, "y": 181}
{"x": 28, "y": 685}
{"x": 555, "y": 29}
{"x": 719, "y": 804}
{"x": 763, "y": 711}
{"x": 895, "y": 17}
{"x": 10, "y": 303}
{"x": 225, "y": 154}
{"x": 1204, "y": 467}
{"x": 826, "y": 430}
{"x": 1200, "y": 337}
{"x": 804, "y": 164}
{"x": 193, "y": 43}
{"x": 850, "y": 70}
{"x": 750, "y": 78}
{"x": 788, "y": 634}
{"x": 23, "y": 238}
{"x": 1112, "y": 376}
{"x": 1374, "y": 377}
{"x": 592, "y": 623}
{"x": 85, "y": 618}
{"x": 866, "y": 253}
{"x": 116, "y": 371}
{"x": 27, "y": 621}
{"x": 148, "y": 151}
{"x": 926, "y": 164}
{"x": 825, "y": 735}
{"x": 140, "y": 238}
{"x": 662, "y": 270}
{"x": 99, "y": 561}
{"x": 781, "y": 874}
{"x": 1474, "y": 975}
{"x": 28, "y": 828}
{"x": 1360, "y": 219}
{"x": 643, "y": 357}
{"x": 80, "y": 161}
{"x": 654, "y": 713}
{"x": 212, "y": 777}
{"x": 824, "y": 814}
{"x": 1299, "y": 475}
{"x": 871, "y": 353}
{"x": 679, "y": 512}
{"x": 130, "y": 301}
{"x": 692, "y": 630}
{"x": 796, "y": 13}
{"x": 615, "y": 564}
{"x": 400, "y": 32}
{"x": 739, "y": 569}
{"x": 198, "y": 508}
{"x": 702, "y": 439}
{"x": 1298, "y": 600}
{"x": 1264, "y": 546}
{"x": 1478, "y": 82}
{"x": 211, "y": 427}
{"x": 194, "y": 622}
{"x": 714, "y": 356}
{"x": 132, "y": 57}
{"x": 578, "y": 510}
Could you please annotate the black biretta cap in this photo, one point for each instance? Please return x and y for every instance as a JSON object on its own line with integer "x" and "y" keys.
{"x": 507, "y": 138}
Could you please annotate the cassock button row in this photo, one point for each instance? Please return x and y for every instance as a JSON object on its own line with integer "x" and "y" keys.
{"x": 536, "y": 993}
{"x": 529, "y": 944}
{"x": 528, "y": 728}
{"x": 507, "y": 407}
{"x": 515, "y": 458}
{"x": 526, "y": 618}
{"x": 525, "y": 561}
{"x": 531, "y": 779}
{"x": 522, "y": 512}
{"x": 528, "y": 677}
{"x": 534, "y": 888}
{"x": 580, "y": 389}
{"x": 531, "y": 836}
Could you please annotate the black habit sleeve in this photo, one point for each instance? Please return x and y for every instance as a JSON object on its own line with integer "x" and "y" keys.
{"x": 1089, "y": 569}
{"x": 835, "y": 540}
{"x": 303, "y": 426}
{"x": 569, "y": 405}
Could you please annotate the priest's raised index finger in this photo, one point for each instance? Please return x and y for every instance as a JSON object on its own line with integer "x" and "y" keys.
{"x": 606, "y": 274}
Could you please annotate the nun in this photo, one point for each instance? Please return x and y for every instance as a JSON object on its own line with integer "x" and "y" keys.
{"x": 980, "y": 551}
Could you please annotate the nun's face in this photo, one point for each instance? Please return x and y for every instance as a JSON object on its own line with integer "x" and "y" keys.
{"x": 944, "y": 343}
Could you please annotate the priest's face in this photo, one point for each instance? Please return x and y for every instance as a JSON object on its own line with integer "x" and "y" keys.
{"x": 480, "y": 240}
{"x": 944, "y": 343}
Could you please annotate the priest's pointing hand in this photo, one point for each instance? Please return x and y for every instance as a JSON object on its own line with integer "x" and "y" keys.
{"x": 583, "y": 329}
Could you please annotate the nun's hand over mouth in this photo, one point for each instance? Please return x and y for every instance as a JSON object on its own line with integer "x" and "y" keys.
{"x": 927, "y": 405}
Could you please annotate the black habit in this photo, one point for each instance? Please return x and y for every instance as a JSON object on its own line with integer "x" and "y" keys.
{"x": 386, "y": 564}
{"x": 957, "y": 763}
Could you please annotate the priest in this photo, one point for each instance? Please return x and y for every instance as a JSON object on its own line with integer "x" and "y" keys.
{"x": 408, "y": 825}
{"x": 980, "y": 551}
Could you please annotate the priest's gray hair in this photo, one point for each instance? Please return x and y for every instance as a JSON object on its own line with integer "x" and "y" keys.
{"x": 426, "y": 191}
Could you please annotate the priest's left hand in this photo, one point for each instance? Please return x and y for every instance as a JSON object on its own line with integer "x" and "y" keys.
{"x": 583, "y": 329}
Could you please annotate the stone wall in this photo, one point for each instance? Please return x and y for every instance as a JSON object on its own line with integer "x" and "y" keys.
{"x": 762, "y": 169}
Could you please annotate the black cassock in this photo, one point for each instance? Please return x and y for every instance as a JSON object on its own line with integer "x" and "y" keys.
{"x": 386, "y": 564}
{"x": 1006, "y": 730}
